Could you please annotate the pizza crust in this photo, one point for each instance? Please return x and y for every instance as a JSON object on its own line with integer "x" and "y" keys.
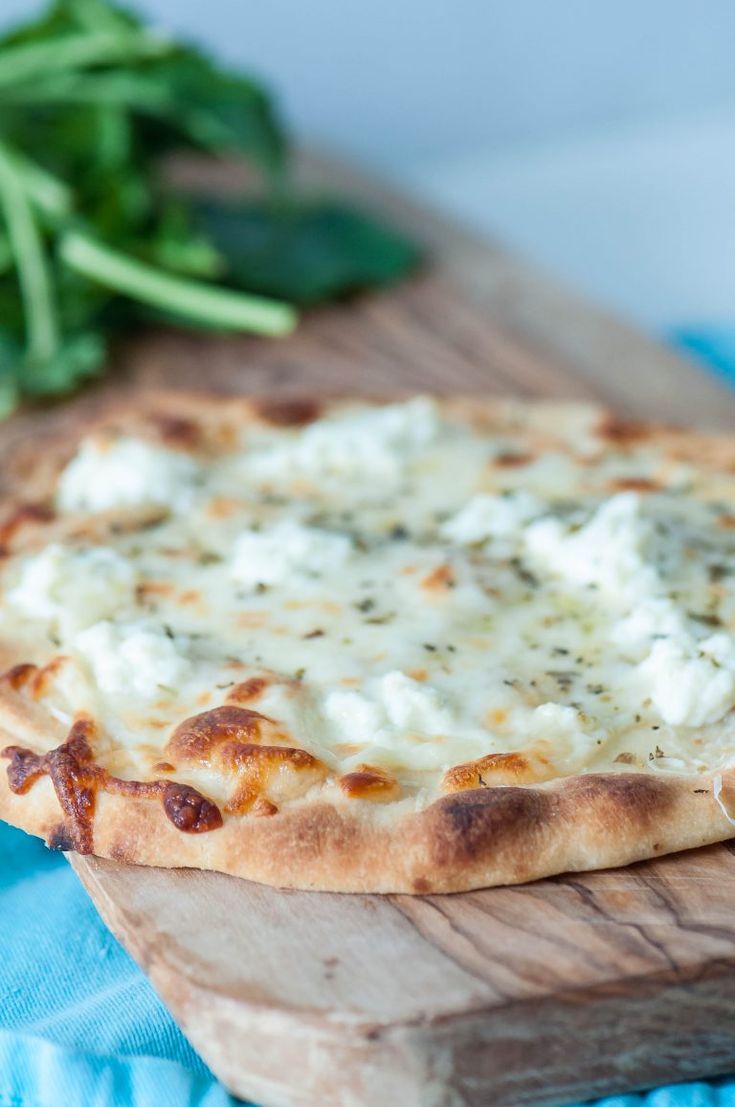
{"x": 469, "y": 839}
{"x": 473, "y": 839}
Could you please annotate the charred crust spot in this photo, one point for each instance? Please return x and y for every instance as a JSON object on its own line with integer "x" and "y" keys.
{"x": 369, "y": 783}
{"x": 197, "y": 737}
{"x": 622, "y": 796}
{"x": 421, "y": 886}
{"x": 189, "y": 810}
{"x": 512, "y": 459}
{"x": 621, "y": 431}
{"x": 60, "y": 839}
{"x": 177, "y": 431}
{"x": 118, "y": 852}
{"x": 293, "y": 411}
{"x": 466, "y": 826}
{"x": 633, "y": 484}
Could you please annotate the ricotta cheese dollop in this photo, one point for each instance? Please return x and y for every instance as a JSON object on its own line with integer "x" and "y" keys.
{"x": 126, "y": 472}
{"x": 133, "y": 659}
{"x": 372, "y": 442}
{"x": 72, "y": 588}
{"x": 278, "y": 554}
{"x": 485, "y": 517}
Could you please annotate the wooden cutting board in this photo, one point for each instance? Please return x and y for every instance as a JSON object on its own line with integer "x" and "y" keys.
{"x": 545, "y": 994}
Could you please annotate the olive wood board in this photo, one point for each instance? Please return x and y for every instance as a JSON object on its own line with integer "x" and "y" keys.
{"x": 550, "y": 993}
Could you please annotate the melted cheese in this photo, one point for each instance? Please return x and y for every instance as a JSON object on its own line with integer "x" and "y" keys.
{"x": 406, "y": 598}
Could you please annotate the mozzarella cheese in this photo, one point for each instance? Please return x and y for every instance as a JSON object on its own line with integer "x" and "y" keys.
{"x": 408, "y": 597}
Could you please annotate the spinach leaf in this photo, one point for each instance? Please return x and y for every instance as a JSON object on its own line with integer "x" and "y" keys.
{"x": 92, "y": 242}
{"x": 307, "y": 251}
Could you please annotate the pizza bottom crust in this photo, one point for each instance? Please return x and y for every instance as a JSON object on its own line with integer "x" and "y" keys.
{"x": 469, "y": 840}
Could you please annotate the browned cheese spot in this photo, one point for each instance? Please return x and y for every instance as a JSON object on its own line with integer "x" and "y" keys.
{"x": 273, "y": 773}
{"x": 248, "y": 690}
{"x": 497, "y": 768}
{"x": 189, "y": 810}
{"x": 19, "y": 676}
{"x": 264, "y": 807}
{"x": 76, "y": 779}
{"x": 621, "y": 431}
{"x": 177, "y": 431}
{"x": 633, "y": 484}
{"x": 512, "y": 459}
{"x": 39, "y": 683}
{"x": 29, "y": 678}
{"x": 197, "y": 738}
{"x": 288, "y": 411}
{"x": 440, "y": 579}
{"x": 370, "y": 783}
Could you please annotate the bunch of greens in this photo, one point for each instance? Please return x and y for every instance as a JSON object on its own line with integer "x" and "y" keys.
{"x": 92, "y": 241}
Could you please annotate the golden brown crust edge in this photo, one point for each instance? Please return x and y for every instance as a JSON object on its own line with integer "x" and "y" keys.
{"x": 471, "y": 839}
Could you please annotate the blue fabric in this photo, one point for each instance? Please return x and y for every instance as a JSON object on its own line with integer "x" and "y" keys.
{"x": 712, "y": 345}
{"x": 80, "y": 1024}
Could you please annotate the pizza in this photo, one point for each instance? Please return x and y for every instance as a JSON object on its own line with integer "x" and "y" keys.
{"x": 423, "y": 645}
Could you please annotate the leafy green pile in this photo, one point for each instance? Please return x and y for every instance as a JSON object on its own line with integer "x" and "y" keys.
{"x": 93, "y": 242}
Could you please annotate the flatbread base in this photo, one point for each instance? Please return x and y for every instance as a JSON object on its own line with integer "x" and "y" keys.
{"x": 467, "y": 840}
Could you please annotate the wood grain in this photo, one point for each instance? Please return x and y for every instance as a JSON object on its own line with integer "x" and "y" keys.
{"x": 545, "y": 994}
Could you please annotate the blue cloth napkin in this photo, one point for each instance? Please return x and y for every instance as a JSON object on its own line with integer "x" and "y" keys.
{"x": 80, "y": 1024}
{"x": 713, "y": 345}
